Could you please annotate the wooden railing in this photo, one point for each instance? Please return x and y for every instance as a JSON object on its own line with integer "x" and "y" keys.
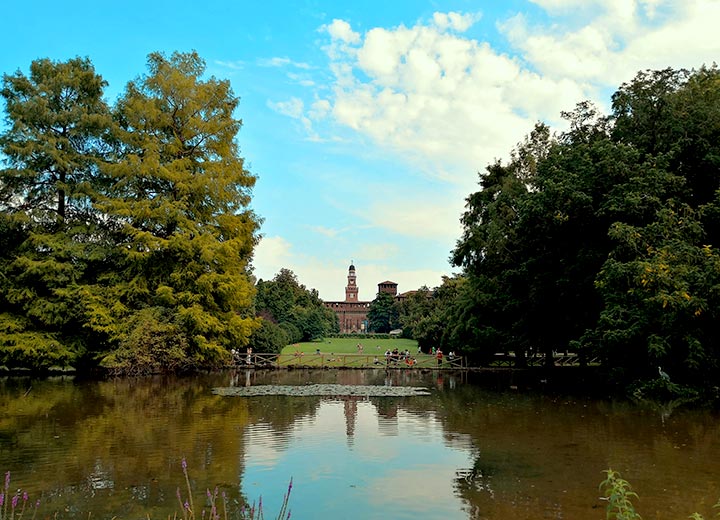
{"x": 327, "y": 360}
{"x": 324, "y": 360}
{"x": 501, "y": 359}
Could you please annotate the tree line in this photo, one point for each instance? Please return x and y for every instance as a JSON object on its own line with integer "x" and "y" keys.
{"x": 601, "y": 239}
{"x": 126, "y": 235}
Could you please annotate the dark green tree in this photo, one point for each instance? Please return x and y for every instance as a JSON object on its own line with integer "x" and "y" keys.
{"x": 269, "y": 337}
{"x": 297, "y": 310}
{"x": 383, "y": 313}
{"x": 603, "y": 238}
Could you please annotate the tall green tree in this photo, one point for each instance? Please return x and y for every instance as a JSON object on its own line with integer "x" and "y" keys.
{"x": 604, "y": 237}
{"x": 55, "y": 142}
{"x": 383, "y": 313}
{"x": 178, "y": 205}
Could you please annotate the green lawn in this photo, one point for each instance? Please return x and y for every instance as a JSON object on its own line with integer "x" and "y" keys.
{"x": 343, "y": 352}
{"x": 349, "y": 346}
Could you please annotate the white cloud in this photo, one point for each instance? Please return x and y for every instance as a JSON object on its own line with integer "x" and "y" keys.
{"x": 294, "y": 108}
{"x": 455, "y": 21}
{"x": 282, "y": 62}
{"x": 325, "y": 231}
{"x": 341, "y": 30}
{"x": 447, "y": 105}
{"x": 607, "y": 42}
{"x": 271, "y": 254}
{"x": 232, "y": 65}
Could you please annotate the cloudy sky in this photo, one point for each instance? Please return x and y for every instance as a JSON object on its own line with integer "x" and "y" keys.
{"x": 367, "y": 122}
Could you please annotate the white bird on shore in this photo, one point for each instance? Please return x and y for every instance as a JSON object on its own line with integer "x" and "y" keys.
{"x": 663, "y": 375}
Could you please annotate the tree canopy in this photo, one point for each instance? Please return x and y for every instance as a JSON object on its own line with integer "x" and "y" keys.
{"x": 130, "y": 224}
{"x": 604, "y": 238}
{"x": 296, "y": 310}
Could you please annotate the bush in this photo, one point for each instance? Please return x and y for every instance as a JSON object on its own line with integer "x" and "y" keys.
{"x": 151, "y": 342}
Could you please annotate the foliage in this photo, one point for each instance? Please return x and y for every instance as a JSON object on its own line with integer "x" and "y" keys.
{"x": 152, "y": 342}
{"x": 53, "y": 146}
{"x": 299, "y": 312}
{"x": 620, "y": 496}
{"x": 382, "y": 313}
{"x": 603, "y": 238}
{"x": 269, "y": 337}
{"x": 132, "y": 215}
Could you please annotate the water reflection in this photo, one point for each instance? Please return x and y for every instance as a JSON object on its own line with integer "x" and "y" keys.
{"x": 114, "y": 448}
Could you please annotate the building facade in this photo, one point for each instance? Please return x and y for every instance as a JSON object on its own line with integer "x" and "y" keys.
{"x": 352, "y": 313}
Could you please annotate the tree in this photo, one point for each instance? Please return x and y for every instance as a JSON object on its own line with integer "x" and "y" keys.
{"x": 269, "y": 337}
{"x": 177, "y": 203}
{"x": 603, "y": 238}
{"x": 382, "y": 314}
{"x": 55, "y": 143}
{"x": 296, "y": 309}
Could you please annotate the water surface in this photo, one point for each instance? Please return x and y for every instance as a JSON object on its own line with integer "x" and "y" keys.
{"x": 114, "y": 448}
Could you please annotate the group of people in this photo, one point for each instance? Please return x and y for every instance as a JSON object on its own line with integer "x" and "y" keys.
{"x": 238, "y": 356}
{"x": 395, "y": 356}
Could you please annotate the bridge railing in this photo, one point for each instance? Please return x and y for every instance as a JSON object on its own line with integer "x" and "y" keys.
{"x": 324, "y": 359}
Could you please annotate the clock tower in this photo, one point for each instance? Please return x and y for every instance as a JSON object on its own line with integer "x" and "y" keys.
{"x": 351, "y": 289}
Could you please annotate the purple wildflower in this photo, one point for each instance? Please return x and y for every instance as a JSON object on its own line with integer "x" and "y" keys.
{"x": 7, "y": 480}
{"x": 25, "y": 496}
{"x": 2, "y": 498}
{"x": 15, "y": 501}
{"x": 187, "y": 505}
{"x": 184, "y": 464}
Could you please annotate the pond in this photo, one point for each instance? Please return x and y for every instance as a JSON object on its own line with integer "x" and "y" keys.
{"x": 468, "y": 450}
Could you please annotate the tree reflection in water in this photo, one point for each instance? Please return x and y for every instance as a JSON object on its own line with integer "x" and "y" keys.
{"x": 113, "y": 447}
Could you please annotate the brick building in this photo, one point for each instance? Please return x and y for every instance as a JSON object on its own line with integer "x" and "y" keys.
{"x": 352, "y": 313}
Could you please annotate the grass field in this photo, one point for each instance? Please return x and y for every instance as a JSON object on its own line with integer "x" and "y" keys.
{"x": 344, "y": 352}
{"x": 349, "y": 346}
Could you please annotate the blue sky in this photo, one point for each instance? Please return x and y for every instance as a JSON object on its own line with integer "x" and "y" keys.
{"x": 367, "y": 122}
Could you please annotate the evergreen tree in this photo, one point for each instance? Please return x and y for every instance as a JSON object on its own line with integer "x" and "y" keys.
{"x": 55, "y": 142}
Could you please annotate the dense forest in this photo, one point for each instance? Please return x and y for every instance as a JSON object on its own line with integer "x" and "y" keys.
{"x": 126, "y": 236}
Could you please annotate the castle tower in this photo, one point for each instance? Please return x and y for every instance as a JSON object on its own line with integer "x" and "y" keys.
{"x": 351, "y": 289}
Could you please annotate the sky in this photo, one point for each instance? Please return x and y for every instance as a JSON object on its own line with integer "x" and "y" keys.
{"x": 368, "y": 122}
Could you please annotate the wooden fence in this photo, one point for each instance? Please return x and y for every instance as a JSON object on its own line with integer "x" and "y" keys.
{"x": 325, "y": 360}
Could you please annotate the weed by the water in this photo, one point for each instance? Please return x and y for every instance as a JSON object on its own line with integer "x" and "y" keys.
{"x": 620, "y": 496}
{"x": 15, "y": 505}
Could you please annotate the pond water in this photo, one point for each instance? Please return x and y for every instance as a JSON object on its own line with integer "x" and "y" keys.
{"x": 114, "y": 448}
